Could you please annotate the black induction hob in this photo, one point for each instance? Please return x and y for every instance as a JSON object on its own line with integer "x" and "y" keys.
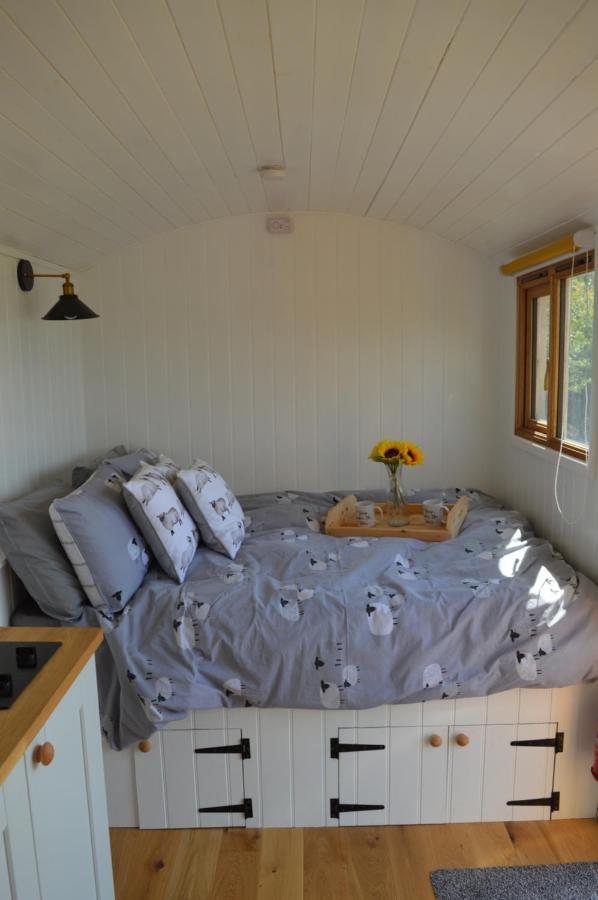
{"x": 19, "y": 664}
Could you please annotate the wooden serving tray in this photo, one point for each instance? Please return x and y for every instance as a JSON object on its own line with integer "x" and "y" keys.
{"x": 341, "y": 521}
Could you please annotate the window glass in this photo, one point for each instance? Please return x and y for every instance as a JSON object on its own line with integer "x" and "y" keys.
{"x": 576, "y": 375}
{"x": 555, "y": 336}
{"x": 540, "y": 358}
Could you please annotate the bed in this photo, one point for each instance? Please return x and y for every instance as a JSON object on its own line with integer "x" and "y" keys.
{"x": 302, "y": 621}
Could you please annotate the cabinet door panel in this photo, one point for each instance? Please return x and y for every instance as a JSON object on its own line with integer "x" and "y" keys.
{"x": 59, "y": 809}
{"x": 466, "y": 773}
{"x": 85, "y": 696}
{"x": 405, "y": 748}
{"x": 499, "y": 773}
{"x": 434, "y": 776}
{"x": 219, "y": 777}
{"x": 179, "y": 774}
{"x": 7, "y": 887}
{"x": 18, "y": 838}
{"x": 149, "y": 780}
{"x": 534, "y": 768}
{"x": 363, "y": 775}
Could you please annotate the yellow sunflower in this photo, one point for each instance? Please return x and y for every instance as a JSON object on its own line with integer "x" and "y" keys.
{"x": 387, "y": 451}
{"x": 395, "y": 453}
{"x": 413, "y": 454}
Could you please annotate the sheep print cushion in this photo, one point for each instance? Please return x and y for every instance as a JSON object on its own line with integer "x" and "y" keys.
{"x": 162, "y": 519}
{"x": 214, "y": 507}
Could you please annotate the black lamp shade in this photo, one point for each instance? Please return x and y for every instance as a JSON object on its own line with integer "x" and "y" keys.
{"x": 69, "y": 309}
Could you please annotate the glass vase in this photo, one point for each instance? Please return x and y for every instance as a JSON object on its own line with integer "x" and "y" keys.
{"x": 397, "y": 514}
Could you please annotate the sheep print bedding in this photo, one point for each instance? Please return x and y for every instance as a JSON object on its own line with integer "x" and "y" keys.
{"x": 300, "y": 619}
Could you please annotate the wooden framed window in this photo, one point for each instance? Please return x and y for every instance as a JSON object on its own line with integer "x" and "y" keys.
{"x": 555, "y": 318}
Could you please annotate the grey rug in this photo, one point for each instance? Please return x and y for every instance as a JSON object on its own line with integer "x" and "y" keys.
{"x": 569, "y": 881}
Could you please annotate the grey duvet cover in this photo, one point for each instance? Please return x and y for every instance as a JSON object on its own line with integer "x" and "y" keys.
{"x": 300, "y": 619}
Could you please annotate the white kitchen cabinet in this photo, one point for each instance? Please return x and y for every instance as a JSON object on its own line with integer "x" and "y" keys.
{"x": 53, "y": 817}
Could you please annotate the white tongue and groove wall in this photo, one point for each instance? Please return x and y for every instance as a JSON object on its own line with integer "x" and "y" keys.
{"x": 282, "y": 359}
{"x": 42, "y": 416}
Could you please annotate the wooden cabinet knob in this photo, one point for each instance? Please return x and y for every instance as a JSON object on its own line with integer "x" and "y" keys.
{"x": 145, "y": 746}
{"x": 435, "y": 740}
{"x": 462, "y": 740}
{"x": 44, "y": 753}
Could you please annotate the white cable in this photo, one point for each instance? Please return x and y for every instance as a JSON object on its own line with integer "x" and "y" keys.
{"x": 564, "y": 421}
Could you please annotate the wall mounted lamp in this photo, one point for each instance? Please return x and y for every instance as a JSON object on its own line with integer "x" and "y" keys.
{"x": 69, "y": 308}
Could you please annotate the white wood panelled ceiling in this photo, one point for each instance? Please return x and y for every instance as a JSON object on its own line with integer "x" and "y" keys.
{"x": 476, "y": 119}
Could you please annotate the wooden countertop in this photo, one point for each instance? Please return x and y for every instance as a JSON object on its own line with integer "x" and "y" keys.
{"x": 31, "y": 710}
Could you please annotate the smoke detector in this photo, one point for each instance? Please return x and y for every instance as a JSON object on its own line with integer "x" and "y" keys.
{"x": 272, "y": 171}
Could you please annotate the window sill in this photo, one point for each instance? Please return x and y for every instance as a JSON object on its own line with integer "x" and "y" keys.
{"x": 548, "y": 454}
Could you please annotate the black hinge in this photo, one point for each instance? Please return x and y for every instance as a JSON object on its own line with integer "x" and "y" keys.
{"x": 336, "y": 747}
{"x": 557, "y": 742}
{"x": 246, "y": 807}
{"x": 337, "y": 808}
{"x": 553, "y": 801}
{"x": 243, "y": 748}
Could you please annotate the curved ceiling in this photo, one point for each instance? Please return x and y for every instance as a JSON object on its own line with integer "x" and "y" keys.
{"x": 122, "y": 118}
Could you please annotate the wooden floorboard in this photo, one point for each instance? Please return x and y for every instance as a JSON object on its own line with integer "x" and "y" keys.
{"x": 391, "y": 863}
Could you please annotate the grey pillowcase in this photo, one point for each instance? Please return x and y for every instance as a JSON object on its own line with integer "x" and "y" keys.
{"x": 129, "y": 464}
{"x": 100, "y": 539}
{"x": 126, "y": 463}
{"x": 36, "y": 556}
{"x": 83, "y": 471}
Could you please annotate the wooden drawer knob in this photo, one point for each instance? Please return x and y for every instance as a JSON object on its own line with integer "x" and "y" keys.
{"x": 145, "y": 746}
{"x": 44, "y": 753}
{"x": 435, "y": 740}
{"x": 462, "y": 740}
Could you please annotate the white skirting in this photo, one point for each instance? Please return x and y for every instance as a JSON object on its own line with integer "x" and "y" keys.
{"x": 291, "y": 778}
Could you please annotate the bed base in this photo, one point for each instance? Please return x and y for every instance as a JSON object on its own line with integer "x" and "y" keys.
{"x": 522, "y": 754}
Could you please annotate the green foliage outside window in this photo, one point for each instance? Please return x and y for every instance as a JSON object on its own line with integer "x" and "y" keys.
{"x": 579, "y": 356}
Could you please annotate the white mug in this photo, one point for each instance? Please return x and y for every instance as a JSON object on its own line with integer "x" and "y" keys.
{"x": 434, "y": 511}
{"x": 366, "y": 513}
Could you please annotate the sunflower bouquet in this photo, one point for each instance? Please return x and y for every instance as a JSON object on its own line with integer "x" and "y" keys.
{"x": 397, "y": 453}
{"x": 394, "y": 455}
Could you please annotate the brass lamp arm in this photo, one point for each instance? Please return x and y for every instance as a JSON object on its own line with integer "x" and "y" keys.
{"x": 65, "y": 275}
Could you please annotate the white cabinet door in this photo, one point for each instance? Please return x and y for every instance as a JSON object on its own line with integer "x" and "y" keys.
{"x": 534, "y": 771}
{"x": 18, "y": 844}
{"x": 363, "y": 775}
{"x": 197, "y": 781}
{"x": 7, "y": 885}
{"x": 174, "y": 782}
{"x": 434, "y": 789}
{"x": 219, "y": 777}
{"x": 517, "y": 772}
{"x": 67, "y": 800}
{"x": 466, "y": 770}
{"x": 406, "y": 776}
{"x": 405, "y": 745}
{"x": 499, "y": 773}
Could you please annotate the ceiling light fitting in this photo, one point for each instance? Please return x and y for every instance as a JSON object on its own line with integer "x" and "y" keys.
{"x": 272, "y": 171}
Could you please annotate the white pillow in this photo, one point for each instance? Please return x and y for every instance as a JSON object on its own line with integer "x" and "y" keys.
{"x": 214, "y": 507}
{"x": 162, "y": 519}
